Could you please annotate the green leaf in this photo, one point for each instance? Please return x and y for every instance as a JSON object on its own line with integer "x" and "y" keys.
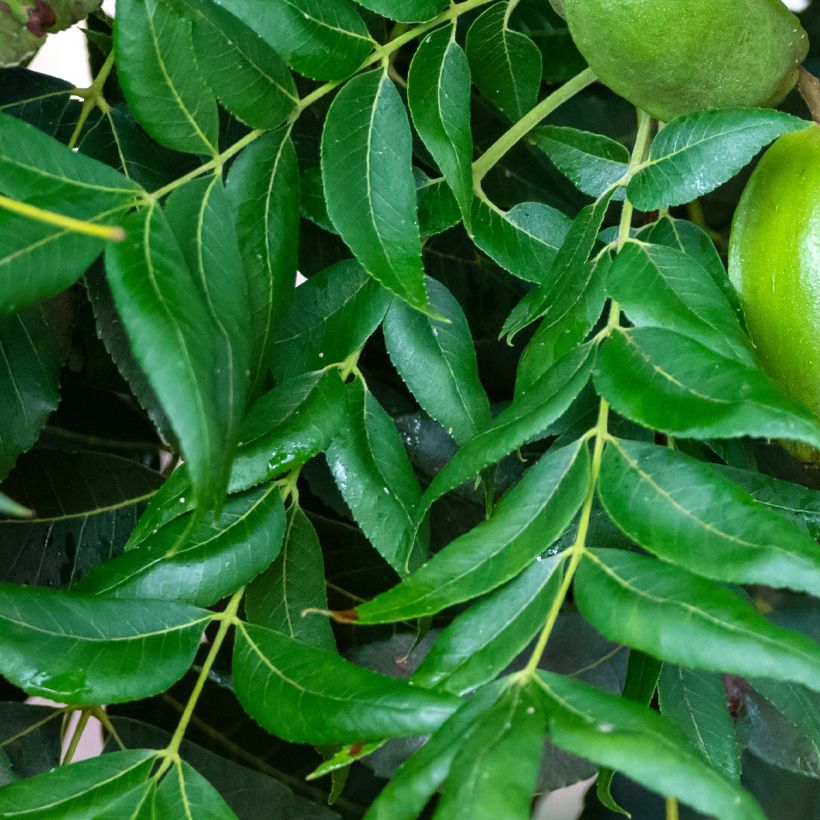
{"x": 263, "y": 187}
{"x": 558, "y": 292}
{"x": 524, "y": 240}
{"x": 592, "y": 162}
{"x": 621, "y": 735}
{"x": 481, "y": 642}
{"x": 685, "y": 512}
{"x": 285, "y": 428}
{"x": 33, "y": 344}
{"x": 406, "y": 11}
{"x": 438, "y": 92}
{"x": 368, "y": 180}
{"x": 293, "y": 583}
{"x": 506, "y": 64}
{"x": 110, "y": 330}
{"x": 13, "y": 509}
{"x": 438, "y": 209}
{"x": 200, "y": 566}
{"x": 696, "y": 153}
{"x": 34, "y": 165}
{"x": 157, "y": 71}
{"x": 34, "y": 97}
{"x": 523, "y": 525}
{"x": 185, "y": 793}
{"x": 250, "y": 793}
{"x": 565, "y": 324}
{"x": 374, "y": 475}
{"x": 664, "y": 287}
{"x": 321, "y": 39}
{"x": 642, "y": 675}
{"x": 800, "y": 706}
{"x": 38, "y": 261}
{"x": 800, "y": 504}
{"x": 176, "y": 342}
{"x": 309, "y": 695}
{"x": 86, "y": 789}
{"x": 494, "y": 773}
{"x": 695, "y": 702}
{"x": 331, "y": 317}
{"x": 199, "y": 214}
{"x": 669, "y": 382}
{"x": 417, "y": 780}
{"x": 245, "y": 73}
{"x": 86, "y": 505}
{"x": 527, "y": 417}
{"x": 682, "y": 618}
{"x": 437, "y": 362}
{"x": 30, "y": 738}
{"x": 82, "y": 649}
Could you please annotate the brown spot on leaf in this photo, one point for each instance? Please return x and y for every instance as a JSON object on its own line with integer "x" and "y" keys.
{"x": 40, "y": 19}
{"x": 356, "y": 748}
{"x": 345, "y": 616}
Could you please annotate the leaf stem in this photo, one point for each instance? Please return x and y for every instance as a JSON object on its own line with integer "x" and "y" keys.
{"x": 69, "y": 223}
{"x": 92, "y": 96}
{"x": 599, "y": 433}
{"x": 377, "y": 55}
{"x": 671, "y": 808}
{"x": 85, "y": 714}
{"x": 227, "y": 620}
{"x": 507, "y": 140}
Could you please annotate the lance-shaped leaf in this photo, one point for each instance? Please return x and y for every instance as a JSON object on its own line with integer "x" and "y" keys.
{"x": 184, "y": 792}
{"x": 592, "y": 162}
{"x": 524, "y": 241}
{"x": 285, "y": 428}
{"x": 200, "y": 566}
{"x": 85, "y": 511}
{"x": 172, "y": 331}
{"x": 685, "y": 512}
{"x": 33, "y": 344}
{"x": 309, "y": 695}
{"x": 30, "y": 737}
{"x": 481, "y": 642}
{"x": 437, "y": 362}
{"x": 695, "y": 242}
{"x": 368, "y": 179}
{"x": 417, "y": 780}
{"x": 157, "y": 70}
{"x": 263, "y": 186}
{"x": 200, "y": 216}
{"x": 506, "y": 64}
{"x": 672, "y": 383}
{"x": 696, "y": 153}
{"x": 558, "y": 292}
{"x": 91, "y": 787}
{"x": 695, "y": 702}
{"x": 321, "y": 39}
{"x": 664, "y": 287}
{"x": 494, "y": 773}
{"x": 524, "y": 524}
{"x": 245, "y": 73}
{"x": 799, "y": 706}
{"x": 293, "y": 583}
{"x": 82, "y": 649}
{"x": 332, "y": 315}
{"x": 798, "y": 503}
{"x": 621, "y": 735}
{"x": 34, "y": 97}
{"x": 682, "y": 618}
{"x": 376, "y": 480}
{"x": 527, "y": 417}
{"x": 406, "y": 11}
{"x": 438, "y": 91}
{"x": 565, "y": 325}
{"x": 38, "y": 261}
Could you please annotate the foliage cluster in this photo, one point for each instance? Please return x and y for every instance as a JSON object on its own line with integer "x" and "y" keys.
{"x": 510, "y": 432}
